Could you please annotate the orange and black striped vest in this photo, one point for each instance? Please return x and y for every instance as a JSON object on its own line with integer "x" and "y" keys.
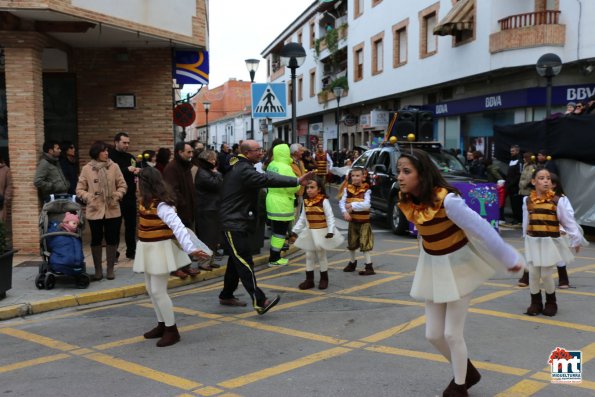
{"x": 321, "y": 163}
{"x": 440, "y": 236}
{"x": 356, "y": 194}
{"x": 315, "y": 213}
{"x": 150, "y": 226}
{"x": 543, "y": 217}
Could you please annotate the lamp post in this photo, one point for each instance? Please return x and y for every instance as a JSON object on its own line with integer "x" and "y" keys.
{"x": 548, "y": 66}
{"x": 207, "y": 106}
{"x": 293, "y": 56}
{"x": 338, "y": 91}
{"x": 252, "y": 66}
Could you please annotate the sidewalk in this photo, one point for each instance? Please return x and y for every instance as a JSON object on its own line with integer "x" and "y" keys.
{"x": 25, "y": 299}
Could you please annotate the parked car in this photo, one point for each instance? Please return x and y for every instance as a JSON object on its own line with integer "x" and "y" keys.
{"x": 381, "y": 164}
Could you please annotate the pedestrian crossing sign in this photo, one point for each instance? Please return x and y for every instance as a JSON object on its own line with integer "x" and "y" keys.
{"x": 269, "y": 100}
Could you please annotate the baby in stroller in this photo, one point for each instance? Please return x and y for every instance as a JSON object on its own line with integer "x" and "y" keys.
{"x": 61, "y": 247}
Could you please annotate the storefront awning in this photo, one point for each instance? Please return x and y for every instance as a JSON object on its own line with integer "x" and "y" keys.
{"x": 459, "y": 18}
{"x": 325, "y": 5}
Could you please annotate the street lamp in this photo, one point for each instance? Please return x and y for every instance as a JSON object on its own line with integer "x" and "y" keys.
{"x": 293, "y": 56}
{"x": 207, "y": 106}
{"x": 548, "y": 66}
{"x": 338, "y": 91}
{"x": 252, "y": 66}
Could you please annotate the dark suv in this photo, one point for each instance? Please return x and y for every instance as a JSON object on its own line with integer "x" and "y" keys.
{"x": 381, "y": 164}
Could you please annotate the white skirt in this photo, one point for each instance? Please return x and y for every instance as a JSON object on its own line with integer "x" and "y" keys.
{"x": 314, "y": 239}
{"x": 447, "y": 278}
{"x": 547, "y": 251}
{"x": 159, "y": 257}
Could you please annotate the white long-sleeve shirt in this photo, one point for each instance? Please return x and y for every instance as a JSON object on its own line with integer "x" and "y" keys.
{"x": 168, "y": 215}
{"x": 479, "y": 230}
{"x": 302, "y": 222}
{"x": 356, "y": 206}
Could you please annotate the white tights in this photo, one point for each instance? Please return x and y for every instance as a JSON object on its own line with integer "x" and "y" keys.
{"x": 157, "y": 289}
{"x": 546, "y": 275}
{"x": 313, "y": 256}
{"x": 367, "y": 256}
{"x": 444, "y": 329}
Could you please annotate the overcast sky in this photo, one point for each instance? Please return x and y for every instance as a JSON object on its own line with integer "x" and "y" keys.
{"x": 242, "y": 29}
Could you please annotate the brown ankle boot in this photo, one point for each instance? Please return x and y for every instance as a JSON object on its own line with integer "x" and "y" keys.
{"x": 563, "y": 282}
{"x": 96, "y": 253}
{"x": 454, "y": 390}
{"x": 156, "y": 332}
{"x": 350, "y": 267}
{"x": 368, "y": 271}
{"x": 309, "y": 282}
{"x": 536, "y": 306}
{"x": 524, "y": 280}
{"x": 323, "y": 284}
{"x": 110, "y": 258}
{"x": 473, "y": 375}
{"x": 170, "y": 337}
{"x": 551, "y": 307}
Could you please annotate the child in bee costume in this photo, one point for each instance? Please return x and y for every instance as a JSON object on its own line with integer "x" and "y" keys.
{"x": 316, "y": 233}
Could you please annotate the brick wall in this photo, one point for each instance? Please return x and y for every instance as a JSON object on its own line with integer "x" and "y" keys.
{"x": 528, "y": 36}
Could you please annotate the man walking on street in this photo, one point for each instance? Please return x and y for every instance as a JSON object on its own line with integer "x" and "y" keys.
{"x": 178, "y": 175}
{"x": 119, "y": 155}
{"x": 49, "y": 178}
{"x": 238, "y": 217}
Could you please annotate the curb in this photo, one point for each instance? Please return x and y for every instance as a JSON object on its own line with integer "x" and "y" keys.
{"x": 72, "y": 300}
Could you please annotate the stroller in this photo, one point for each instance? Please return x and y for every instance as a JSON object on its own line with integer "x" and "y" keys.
{"x": 51, "y": 216}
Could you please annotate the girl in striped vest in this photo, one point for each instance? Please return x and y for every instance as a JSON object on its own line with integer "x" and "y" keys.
{"x": 163, "y": 246}
{"x": 316, "y": 233}
{"x": 544, "y": 213}
{"x": 355, "y": 207}
{"x": 458, "y": 252}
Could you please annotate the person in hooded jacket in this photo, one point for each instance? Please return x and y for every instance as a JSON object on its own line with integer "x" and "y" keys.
{"x": 279, "y": 204}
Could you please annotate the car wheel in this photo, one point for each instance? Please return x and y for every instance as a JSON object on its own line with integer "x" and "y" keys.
{"x": 396, "y": 220}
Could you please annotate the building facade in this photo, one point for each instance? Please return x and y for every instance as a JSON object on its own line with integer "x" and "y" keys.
{"x": 471, "y": 63}
{"x": 83, "y": 70}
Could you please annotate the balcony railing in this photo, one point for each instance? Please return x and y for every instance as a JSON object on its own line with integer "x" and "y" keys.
{"x": 547, "y": 17}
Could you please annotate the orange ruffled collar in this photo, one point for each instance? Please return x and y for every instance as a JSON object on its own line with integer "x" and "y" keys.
{"x": 355, "y": 190}
{"x": 549, "y": 196}
{"x": 314, "y": 201}
{"x": 420, "y": 213}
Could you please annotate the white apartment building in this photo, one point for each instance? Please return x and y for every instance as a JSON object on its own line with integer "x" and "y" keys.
{"x": 479, "y": 73}
{"x": 235, "y": 128}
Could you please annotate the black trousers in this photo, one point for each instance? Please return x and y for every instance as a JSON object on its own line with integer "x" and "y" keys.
{"x": 516, "y": 204}
{"x": 110, "y": 228}
{"x": 240, "y": 267}
{"x": 129, "y": 209}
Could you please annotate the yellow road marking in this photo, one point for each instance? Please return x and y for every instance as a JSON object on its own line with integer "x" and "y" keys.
{"x": 380, "y": 300}
{"x": 35, "y": 361}
{"x": 197, "y": 313}
{"x": 546, "y": 376}
{"x": 370, "y": 284}
{"x": 285, "y": 367}
{"x": 377, "y": 337}
{"x": 286, "y": 306}
{"x": 540, "y": 320}
{"x": 208, "y": 391}
{"x": 570, "y": 292}
{"x": 292, "y": 332}
{"x": 355, "y": 345}
{"x": 143, "y": 371}
{"x": 291, "y": 289}
{"x": 35, "y": 338}
{"x": 395, "y": 351}
{"x": 491, "y": 296}
{"x": 524, "y": 388}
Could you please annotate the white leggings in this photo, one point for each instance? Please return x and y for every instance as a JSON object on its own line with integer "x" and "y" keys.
{"x": 444, "y": 329}
{"x": 367, "y": 256}
{"x": 313, "y": 256}
{"x": 157, "y": 289}
{"x": 546, "y": 275}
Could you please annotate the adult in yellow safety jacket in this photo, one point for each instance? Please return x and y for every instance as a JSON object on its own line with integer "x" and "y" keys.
{"x": 279, "y": 204}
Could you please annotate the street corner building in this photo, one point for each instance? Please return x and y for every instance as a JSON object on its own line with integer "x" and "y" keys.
{"x": 83, "y": 70}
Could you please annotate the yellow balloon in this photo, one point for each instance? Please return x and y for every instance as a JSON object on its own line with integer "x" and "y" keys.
{"x": 532, "y": 158}
{"x": 411, "y": 137}
{"x": 140, "y": 157}
{"x": 548, "y": 158}
{"x": 146, "y": 155}
{"x": 392, "y": 139}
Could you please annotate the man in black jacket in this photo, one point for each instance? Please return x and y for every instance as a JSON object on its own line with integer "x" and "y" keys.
{"x": 237, "y": 213}
{"x": 119, "y": 155}
{"x": 515, "y": 167}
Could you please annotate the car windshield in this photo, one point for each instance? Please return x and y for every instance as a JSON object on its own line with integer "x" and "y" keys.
{"x": 446, "y": 162}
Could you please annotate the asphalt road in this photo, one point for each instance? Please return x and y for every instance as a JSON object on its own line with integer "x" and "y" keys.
{"x": 364, "y": 336}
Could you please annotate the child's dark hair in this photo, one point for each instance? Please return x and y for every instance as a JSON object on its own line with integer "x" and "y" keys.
{"x": 320, "y": 183}
{"x": 153, "y": 187}
{"x": 538, "y": 169}
{"x": 556, "y": 185}
{"x": 429, "y": 177}
{"x": 364, "y": 173}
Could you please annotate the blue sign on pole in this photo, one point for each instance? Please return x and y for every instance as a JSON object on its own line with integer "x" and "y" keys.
{"x": 269, "y": 100}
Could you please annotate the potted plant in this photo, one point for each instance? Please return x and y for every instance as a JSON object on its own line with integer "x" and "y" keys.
{"x": 6, "y": 254}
